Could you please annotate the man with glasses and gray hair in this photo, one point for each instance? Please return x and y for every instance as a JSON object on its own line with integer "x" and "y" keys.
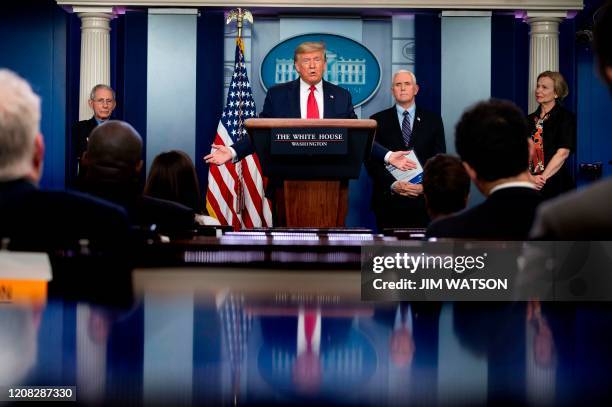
{"x": 102, "y": 103}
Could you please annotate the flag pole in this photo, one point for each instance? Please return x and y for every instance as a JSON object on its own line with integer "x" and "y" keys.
{"x": 239, "y": 15}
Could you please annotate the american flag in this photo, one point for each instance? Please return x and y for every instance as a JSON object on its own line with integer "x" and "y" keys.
{"x": 235, "y": 194}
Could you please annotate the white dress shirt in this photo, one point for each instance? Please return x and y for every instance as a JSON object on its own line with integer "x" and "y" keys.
{"x": 305, "y": 92}
{"x": 512, "y": 184}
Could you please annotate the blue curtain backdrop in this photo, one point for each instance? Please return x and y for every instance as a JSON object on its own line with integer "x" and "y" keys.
{"x": 73, "y": 66}
{"x": 132, "y": 90}
{"x": 428, "y": 56}
{"x": 33, "y": 44}
{"x": 509, "y": 59}
{"x": 209, "y": 85}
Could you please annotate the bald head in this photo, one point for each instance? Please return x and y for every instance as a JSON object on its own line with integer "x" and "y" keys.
{"x": 116, "y": 142}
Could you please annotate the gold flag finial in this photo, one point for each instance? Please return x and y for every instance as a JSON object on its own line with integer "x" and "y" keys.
{"x": 239, "y": 14}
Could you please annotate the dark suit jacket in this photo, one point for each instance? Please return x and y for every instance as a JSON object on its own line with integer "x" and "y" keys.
{"x": 55, "y": 222}
{"x": 80, "y": 132}
{"x": 283, "y": 101}
{"x": 36, "y": 219}
{"x": 506, "y": 214}
{"x": 394, "y": 210}
{"x": 559, "y": 132}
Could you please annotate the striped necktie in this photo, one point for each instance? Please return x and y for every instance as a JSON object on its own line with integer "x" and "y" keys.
{"x": 406, "y": 130}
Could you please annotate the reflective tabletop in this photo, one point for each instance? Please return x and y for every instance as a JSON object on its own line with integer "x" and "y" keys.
{"x": 241, "y": 336}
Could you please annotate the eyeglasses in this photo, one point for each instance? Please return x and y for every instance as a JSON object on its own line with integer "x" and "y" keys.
{"x": 104, "y": 101}
{"x": 307, "y": 61}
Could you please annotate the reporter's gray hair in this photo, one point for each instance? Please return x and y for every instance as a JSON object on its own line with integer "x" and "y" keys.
{"x": 19, "y": 124}
{"x": 399, "y": 71}
{"x": 92, "y": 94}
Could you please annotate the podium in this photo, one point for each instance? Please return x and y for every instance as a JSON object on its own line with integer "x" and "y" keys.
{"x": 309, "y": 163}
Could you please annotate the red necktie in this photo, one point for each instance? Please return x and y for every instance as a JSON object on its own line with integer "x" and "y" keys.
{"x": 310, "y": 318}
{"x": 312, "y": 109}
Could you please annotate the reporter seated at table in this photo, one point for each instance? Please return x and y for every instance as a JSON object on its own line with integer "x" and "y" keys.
{"x": 446, "y": 186}
{"x": 173, "y": 177}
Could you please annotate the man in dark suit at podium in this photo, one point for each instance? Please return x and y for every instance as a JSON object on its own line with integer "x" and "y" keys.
{"x": 492, "y": 139}
{"x": 401, "y": 128}
{"x": 308, "y": 97}
{"x": 102, "y": 102}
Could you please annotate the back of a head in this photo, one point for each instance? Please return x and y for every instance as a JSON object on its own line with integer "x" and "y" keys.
{"x": 173, "y": 177}
{"x": 446, "y": 185}
{"x": 492, "y": 137}
{"x": 19, "y": 125}
{"x": 113, "y": 153}
{"x": 603, "y": 41}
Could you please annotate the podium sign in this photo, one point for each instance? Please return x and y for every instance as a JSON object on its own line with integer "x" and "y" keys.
{"x": 308, "y": 141}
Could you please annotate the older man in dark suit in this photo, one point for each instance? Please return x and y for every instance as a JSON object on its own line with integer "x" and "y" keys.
{"x": 401, "y": 128}
{"x": 492, "y": 139}
{"x": 102, "y": 103}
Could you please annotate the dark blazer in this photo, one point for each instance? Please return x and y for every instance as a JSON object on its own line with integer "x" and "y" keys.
{"x": 427, "y": 140}
{"x": 506, "y": 214}
{"x": 170, "y": 217}
{"x": 49, "y": 219}
{"x": 80, "y": 132}
{"x": 283, "y": 101}
{"x": 559, "y": 131}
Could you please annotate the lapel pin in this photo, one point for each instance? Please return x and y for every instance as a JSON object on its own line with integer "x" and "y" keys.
{"x": 331, "y": 96}
{"x": 418, "y": 119}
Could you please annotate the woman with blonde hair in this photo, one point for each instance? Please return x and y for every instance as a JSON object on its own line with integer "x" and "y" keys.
{"x": 553, "y": 131}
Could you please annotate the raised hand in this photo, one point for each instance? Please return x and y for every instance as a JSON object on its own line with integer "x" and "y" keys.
{"x": 219, "y": 156}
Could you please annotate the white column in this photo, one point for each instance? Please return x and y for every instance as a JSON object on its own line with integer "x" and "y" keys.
{"x": 95, "y": 52}
{"x": 543, "y": 46}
